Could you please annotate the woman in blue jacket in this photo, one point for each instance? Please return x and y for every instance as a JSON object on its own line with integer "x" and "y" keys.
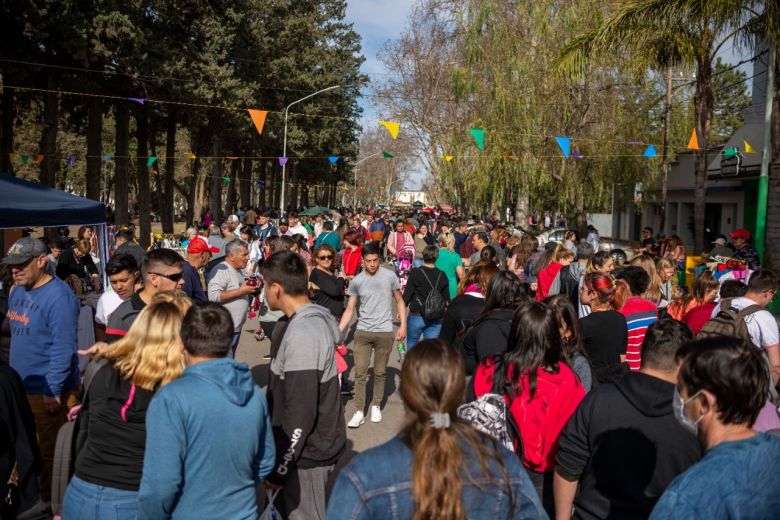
{"x": 438, "y": 466}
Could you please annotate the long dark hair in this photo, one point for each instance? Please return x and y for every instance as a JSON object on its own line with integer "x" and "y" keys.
{"x": 567, "y": 316}
{"x": 534, "y": 342}
{"x": 503, "y": 292}
{"x": 433, "y": 381}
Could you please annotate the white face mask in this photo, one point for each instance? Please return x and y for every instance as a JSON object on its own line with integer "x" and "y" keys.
{"x": 678, "y": 404}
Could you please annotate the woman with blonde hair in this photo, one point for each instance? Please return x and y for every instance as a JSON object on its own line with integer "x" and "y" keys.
{"x": 653, "y": 292}
{"x": 450, "y": 262}
{"x": 108, "y": 467}
{"x": 666, "y": 269}
{"x": 705, "y": 290}
{"x": 439, "y": 466}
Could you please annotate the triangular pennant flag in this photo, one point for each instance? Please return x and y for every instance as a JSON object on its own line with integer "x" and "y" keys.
{"x": 108, "y": 157}
{"x": 232, "y": 158}
{"x": 507, "y": 155}
{"x": 479, "y": 137}
{"x": 333, "y": 159}
{"x": 137, "y": 100}
{"x": 577, "y": 155}
{"x": 448, "y": 158}
{"x": 392, "y": 127}
{"x": 565, "y": 144}
{"x": 191, "y": 156}
{"x": 25, "y": 158}
{"x": 151, "y": 160}
{"x": 387, "y": 155}
{"x": 71, "y": 159}
{"x": 650, "y": 152}
{"x": 39, "y": 158}
{"x": 283, "y": 161}
{"x": 258, "y": 118}
{"x": 226, "y": 179}
{"x": 748, "y": 148}
{"x": 693, "y": 143}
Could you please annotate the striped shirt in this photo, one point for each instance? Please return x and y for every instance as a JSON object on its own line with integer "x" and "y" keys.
{"x": 640, "y": 314}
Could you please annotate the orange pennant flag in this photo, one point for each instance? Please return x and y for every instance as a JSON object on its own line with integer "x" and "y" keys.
{"x": 232, "y": 158}
{"x": 39, "y": 158}
{"x": 258, "y": 118}
{"x": 693, "y": 144}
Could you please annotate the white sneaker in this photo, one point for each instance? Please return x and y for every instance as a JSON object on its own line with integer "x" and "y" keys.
{"x": 356, "y": 420}
{"x": 376, "y": 414}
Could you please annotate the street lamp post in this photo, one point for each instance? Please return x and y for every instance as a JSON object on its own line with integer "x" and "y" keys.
{"x": 354, "y": 194}
{"x": 284, "y": 146}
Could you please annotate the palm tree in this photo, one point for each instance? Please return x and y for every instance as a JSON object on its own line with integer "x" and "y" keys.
{"x": 648, "y": 31}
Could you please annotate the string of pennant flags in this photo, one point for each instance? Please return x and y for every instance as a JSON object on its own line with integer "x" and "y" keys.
{"x": 258, "y": 118}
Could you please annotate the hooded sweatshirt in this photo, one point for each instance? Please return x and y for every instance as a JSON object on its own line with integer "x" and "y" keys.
{"x": 209, "y": 443}
{"x": 304, "y": 394}
{"x": 567, "y": 282}
{"x": 625, "y": 446}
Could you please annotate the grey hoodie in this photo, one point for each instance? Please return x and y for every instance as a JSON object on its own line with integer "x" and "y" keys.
{"x": 304, "y": 394}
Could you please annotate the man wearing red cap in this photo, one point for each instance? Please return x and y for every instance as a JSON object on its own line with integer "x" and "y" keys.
{"x": 744, "y": 251}
{"x": 199, "y": 252}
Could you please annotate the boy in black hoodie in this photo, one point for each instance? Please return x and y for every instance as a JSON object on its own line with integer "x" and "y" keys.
{"x": 623, "y": 444}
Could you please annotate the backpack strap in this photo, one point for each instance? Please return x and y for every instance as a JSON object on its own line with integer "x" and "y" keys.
{"x": 750, "y": 309}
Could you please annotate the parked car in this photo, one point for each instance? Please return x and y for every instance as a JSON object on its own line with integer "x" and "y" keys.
{"x": 621, "y": 251}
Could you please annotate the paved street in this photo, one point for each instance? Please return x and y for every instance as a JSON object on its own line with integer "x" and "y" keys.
{"x": 358, "y": 439}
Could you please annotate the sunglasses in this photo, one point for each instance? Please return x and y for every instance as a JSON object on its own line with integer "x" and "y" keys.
{"x": 174, "y": 277}
{"x": 325, "y": 257}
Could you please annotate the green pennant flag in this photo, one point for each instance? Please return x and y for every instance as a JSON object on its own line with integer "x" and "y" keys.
{"x": 479, "y": 137}
{"x": 150, "y": 161}
{"x": 25, "y": 158}
{"x": 387, "y": 155}
{"x": 226, "y": 179}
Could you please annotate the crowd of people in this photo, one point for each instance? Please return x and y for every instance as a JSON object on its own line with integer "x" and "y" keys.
{"x": 538, "y": 380}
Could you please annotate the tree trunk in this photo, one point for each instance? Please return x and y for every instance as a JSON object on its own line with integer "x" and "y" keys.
{"x": 122, "y": 152}
{"x": 665, "y": 164}
{"x": 772, "y": 248}
{"x": 245, "y": 185}
{"x": 292, "y": 201}
{"x": 275, "y": 185}
{"x": 48, "y": 142}
{"x": 167, "y": 210}
{"x": 703, "y": 103}
{"x": 94, "y": 147}
{"x": 215, "y": 197}
{"x": 231, "y": 186}
{"x": 7, "y": 131}
{"x": 142, "y": 172}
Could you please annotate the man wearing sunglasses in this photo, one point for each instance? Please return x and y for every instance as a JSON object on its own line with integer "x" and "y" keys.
{"x": 162, "y": 271}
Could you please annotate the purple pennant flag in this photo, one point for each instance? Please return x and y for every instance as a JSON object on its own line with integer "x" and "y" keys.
{"x": 138, "y": 100}
{"x": 282, "y": 161}
{"x": 577, "y": 155}
{"x": 72, "y": 159}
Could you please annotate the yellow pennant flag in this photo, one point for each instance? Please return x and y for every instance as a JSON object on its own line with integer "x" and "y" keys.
{"x": 748, "y": 148}
{"x": 693, "y": 144}
{"x": 448, "y": 158}
{"x": 392, "y": 127}
{"x": 258, "y": 118}
{"x": 191, "y": 156}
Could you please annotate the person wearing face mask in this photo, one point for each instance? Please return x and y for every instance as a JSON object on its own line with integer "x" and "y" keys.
{"x": 623, "y": 444}
{"x": 721, "y": 388}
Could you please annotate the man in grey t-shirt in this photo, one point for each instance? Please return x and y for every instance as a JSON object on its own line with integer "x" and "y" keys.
{"x": 374, "y": 290}
{"x": 227, "y": 286}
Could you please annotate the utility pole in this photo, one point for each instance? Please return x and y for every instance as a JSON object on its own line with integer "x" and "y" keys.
{"x": 763, "y": 181}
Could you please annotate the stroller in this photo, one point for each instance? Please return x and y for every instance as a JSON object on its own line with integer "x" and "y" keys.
{"x": 403, "y": 264}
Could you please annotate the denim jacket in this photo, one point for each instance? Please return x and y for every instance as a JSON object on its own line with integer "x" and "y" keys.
{"x": 378, "y": 484}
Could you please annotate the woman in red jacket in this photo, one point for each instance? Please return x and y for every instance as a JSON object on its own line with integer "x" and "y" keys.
{"x": 352, "y": 254}
{"x": 561, "y": 258}
{"x": 541, "y": 390}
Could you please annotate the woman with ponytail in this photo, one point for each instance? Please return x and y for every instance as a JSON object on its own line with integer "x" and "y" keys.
{"x": 438, "y": 466}
{"x": 604, "y": 330}
{"x": 541, "y": 391}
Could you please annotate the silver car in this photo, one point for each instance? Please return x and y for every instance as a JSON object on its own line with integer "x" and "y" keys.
{"x": 621, "y": 251}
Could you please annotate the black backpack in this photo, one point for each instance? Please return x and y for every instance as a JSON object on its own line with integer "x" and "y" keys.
{"x": 433, "y": 308}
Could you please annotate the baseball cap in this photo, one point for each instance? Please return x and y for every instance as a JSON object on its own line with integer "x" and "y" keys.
{"x": 233, "y": 218}
{"x": 24, "y": 250}
{"x": 200, "y": 245}
{"x": 740, "y": 233}
{"x": 719, "y": 241}
{"x": 283, "y": 221}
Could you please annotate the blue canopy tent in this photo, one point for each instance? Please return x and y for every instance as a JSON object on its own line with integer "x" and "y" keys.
{"x": 27, "y": 204}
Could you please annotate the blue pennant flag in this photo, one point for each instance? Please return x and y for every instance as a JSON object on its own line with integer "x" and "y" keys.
{"x": 650, "y": 152}
{"x": 565, "y": 144}
{"x": 333, "y": 159}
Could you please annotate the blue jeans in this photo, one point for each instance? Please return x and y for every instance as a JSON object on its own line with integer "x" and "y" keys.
{"x": 85, "y": 501}
{"x": 234, "y": 345}
{"x": 417, "y": 326}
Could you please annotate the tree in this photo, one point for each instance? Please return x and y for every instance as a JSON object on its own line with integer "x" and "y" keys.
{"x": 731, "y": 96}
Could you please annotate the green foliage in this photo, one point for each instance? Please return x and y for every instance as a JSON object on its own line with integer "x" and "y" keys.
{"x": 730, "y": 88}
